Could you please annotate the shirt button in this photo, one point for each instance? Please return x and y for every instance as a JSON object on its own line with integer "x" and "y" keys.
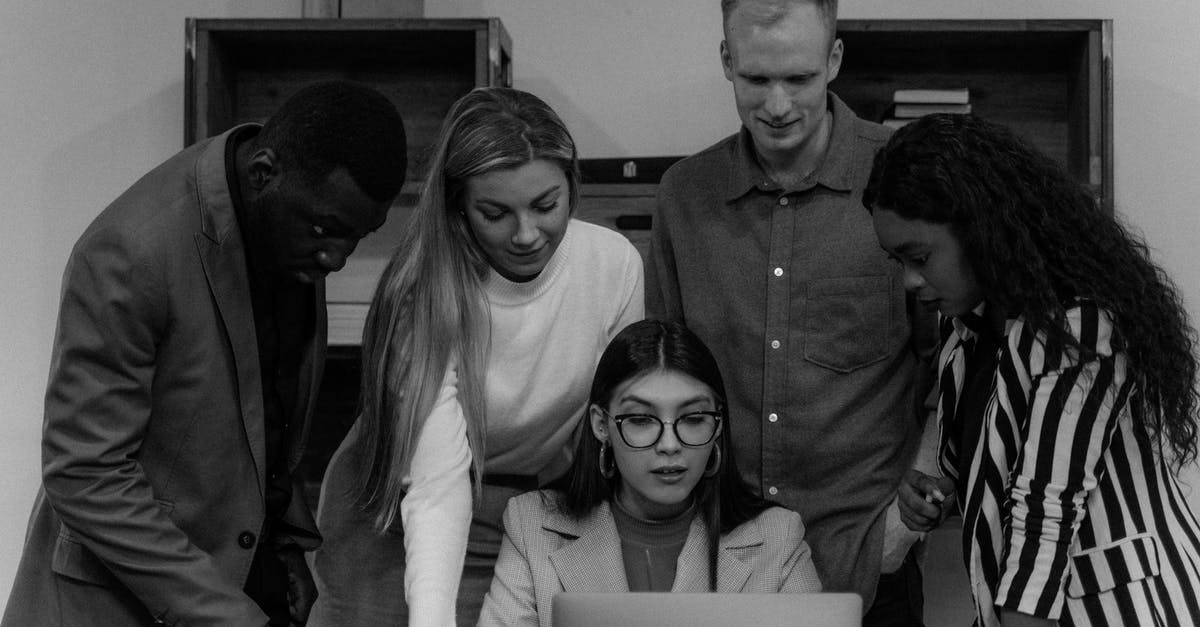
{"x": 773, "y": 417}
{"x": 772, "y": 490}
{"x": 783, "y": 201}
{"x": 778, "y": 271}
{"x": 246, "y": 540}
{"x": 774, "y": 343}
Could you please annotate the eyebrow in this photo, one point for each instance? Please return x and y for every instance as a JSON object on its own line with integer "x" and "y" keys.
{"x": 555, "y": 188}
{"x": 700, "y": 398}
{"x": 908, "y": 247}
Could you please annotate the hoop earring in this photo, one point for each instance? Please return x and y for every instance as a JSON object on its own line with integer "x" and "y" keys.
{"x": 608, "y": 471}
{"x": 715, "y": 466}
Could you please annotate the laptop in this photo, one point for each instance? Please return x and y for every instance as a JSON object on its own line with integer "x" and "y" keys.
{"x": 680, "y": 609}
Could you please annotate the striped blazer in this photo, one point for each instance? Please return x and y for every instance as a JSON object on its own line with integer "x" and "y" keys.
{"x": 545, "y": 551}
{"x": 1070, "y": 512}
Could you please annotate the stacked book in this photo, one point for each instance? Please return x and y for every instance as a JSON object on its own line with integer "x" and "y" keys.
{"x": 910, "y": 104}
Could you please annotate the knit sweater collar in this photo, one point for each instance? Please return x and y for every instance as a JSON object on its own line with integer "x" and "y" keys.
{"x": 502, "y": 291}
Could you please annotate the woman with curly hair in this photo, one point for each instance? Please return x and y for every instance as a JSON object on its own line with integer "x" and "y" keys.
{"x": 1067, "y": 400}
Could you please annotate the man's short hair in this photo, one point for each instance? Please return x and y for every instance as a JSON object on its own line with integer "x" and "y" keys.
{"x": 776, "y": 9}
{"x": 340, "y": 124}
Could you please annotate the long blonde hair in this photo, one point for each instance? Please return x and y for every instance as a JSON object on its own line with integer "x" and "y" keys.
{"x": 429, "y": 308}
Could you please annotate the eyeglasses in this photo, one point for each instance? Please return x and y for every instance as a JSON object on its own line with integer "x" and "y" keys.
{"x": 695, "y": 428}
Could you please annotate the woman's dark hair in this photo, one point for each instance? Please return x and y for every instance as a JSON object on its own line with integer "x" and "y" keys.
{"x": 1037, "y": 241}
{"x": 724, "y": 500}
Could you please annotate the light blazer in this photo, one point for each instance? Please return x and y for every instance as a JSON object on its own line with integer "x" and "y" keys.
{"x": 153, "y": 444}
{"x": 1071, "y": 513}
{"x": 546, "y": 551}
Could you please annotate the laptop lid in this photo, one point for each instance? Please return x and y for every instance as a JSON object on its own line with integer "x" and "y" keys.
{"x": 671, "y": 609}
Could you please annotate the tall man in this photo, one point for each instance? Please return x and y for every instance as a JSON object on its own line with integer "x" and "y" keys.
{"x": 760, "y": 244}
{"x": 189, "y": 347}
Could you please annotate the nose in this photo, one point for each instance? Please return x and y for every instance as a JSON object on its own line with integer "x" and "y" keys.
{"x": 913, "y": 280}
{"x": 333, "y": 257}
{"x": 526, "y": 234}
{"x": 778, "y": 102}
{"x": 668, "y": 442}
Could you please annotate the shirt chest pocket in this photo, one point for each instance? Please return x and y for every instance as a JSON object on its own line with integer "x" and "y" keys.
{"x": 847, "y": 322}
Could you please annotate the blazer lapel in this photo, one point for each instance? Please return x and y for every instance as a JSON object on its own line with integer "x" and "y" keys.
{"x": 734, "y": 556}
{"x": 592, "y": 562}
{"x": 691, "y": 573}
{"x": 223, "y": 256}
{"x": 733, "y": 571}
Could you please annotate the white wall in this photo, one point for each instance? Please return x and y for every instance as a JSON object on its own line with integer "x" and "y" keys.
{"x": 91, "y": 96}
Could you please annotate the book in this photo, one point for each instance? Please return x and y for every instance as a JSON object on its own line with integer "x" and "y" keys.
{"x": 959, "y": 95}
{"x": 896, "y": 122}
{"x": 916, "y": 110}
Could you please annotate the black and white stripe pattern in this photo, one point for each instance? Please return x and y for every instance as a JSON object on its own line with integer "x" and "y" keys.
{"x": 1070, "y": 511}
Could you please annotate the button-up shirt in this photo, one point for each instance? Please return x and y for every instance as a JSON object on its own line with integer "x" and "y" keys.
{"x": 809, "y": 323}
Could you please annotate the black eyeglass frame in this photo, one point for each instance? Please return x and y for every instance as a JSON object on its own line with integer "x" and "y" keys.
{"x": 662, "y": 427}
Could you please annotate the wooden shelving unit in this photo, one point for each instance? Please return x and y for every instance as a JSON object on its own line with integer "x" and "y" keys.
{"x": 241, "y": 70}
{"x": 1050, "y": 80}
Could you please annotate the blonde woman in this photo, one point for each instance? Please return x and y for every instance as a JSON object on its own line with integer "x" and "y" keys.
{"x": 477, "y": 356}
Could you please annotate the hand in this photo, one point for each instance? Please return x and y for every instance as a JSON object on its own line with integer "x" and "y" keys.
{"x": 302, "y": 592}
{"x": 924, "y": 500}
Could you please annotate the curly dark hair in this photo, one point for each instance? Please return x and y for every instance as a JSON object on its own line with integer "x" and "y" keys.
{"x": 1037, "y": 241}
{"x": 333, "y": 124}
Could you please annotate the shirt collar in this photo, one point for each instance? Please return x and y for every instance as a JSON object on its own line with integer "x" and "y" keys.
{"x": 977, "y": 322}
{"x": 835, "y": 170}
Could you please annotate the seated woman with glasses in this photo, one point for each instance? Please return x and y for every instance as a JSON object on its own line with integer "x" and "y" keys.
{"x": 653, "y": 500}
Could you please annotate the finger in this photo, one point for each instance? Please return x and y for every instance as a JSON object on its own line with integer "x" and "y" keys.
{"x": 923, "y": 514}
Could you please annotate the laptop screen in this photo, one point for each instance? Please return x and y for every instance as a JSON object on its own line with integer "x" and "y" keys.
{"x": 670, "y": 609}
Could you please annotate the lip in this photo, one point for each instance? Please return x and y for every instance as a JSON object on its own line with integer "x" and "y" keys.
{"x": 669, "y": 474}
{"x": 528, "y": 255}
{"x": 779, "y": 126}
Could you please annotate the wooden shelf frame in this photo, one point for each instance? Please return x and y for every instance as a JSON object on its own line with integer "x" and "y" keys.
{"x": 1050, "y": 80}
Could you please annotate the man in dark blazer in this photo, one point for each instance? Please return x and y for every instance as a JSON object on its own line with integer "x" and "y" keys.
{"x": 189, "y": 348}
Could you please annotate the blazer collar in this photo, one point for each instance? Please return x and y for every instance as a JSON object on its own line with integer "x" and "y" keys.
{"x": 592, "y": 562}
{"x": 733, "y": 551}
{"x": 223, "y": 255}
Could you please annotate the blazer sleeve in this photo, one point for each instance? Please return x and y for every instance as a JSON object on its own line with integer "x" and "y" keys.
{"x": 98, "y": 406}
{"x": 512, "y": 600}
{"x": 663, "y": 299}
{"x": 1072, "y": 411}
{"x": 799, "y": 572}
{"x": 436, "y": 511}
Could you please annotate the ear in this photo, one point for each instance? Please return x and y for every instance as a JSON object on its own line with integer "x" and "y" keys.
{"x": 835, "y": 61}
{"x": 262, "y": 167}
{"x": 726, "y": 60}
{"x": 599, "y": 423}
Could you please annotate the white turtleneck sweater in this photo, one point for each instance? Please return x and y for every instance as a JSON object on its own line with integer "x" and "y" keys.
{"x": 547, "y": 335}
